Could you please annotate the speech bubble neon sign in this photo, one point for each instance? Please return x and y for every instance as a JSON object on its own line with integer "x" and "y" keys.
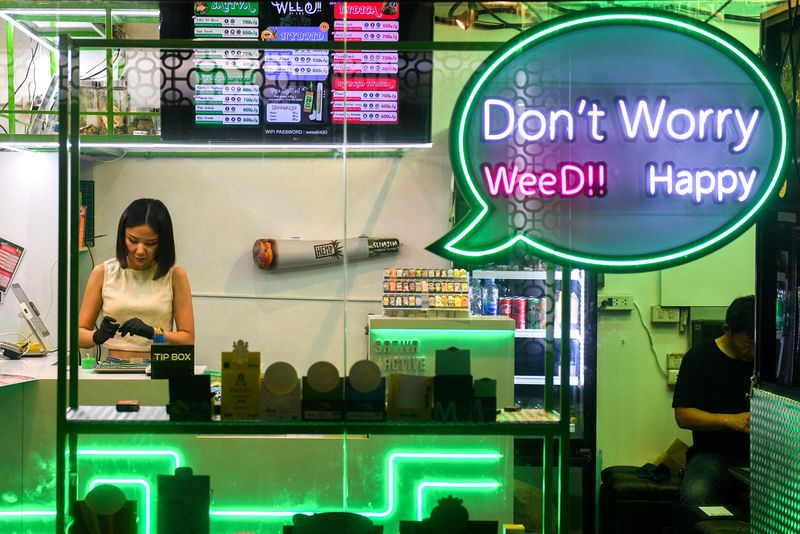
{"x": 616, "y": 140}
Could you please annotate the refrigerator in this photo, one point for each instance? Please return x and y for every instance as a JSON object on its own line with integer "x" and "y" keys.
{"x": 540, "y": 283}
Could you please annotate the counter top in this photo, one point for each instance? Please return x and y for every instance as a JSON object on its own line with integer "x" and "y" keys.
{"x": 479, "y": 322}
{"x": 45, "y": 368}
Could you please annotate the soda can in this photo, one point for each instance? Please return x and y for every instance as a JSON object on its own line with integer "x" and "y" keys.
{"x": 543, "y": 312}
{"x": 518, "y": 309}
{"x": 504, "y": 306}
{"x": 533, "y": 313}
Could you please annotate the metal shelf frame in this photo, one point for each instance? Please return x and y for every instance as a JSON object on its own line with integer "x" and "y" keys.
{"x": 70, "y": 423}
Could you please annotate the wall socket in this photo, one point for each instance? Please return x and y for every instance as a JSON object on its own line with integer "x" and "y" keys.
{"x": 616, "y": 302}
{"x": 674, "y": 360}
{"x": 665, "y": 314}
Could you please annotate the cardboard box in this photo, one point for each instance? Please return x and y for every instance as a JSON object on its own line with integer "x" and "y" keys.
{"x": 241, "y": 391}
{"x": 452, "y": 361}
{"x": 322, "y": 406}
{"x": 365, "y": 406}
{"x": 280, "y": 407}
{"x": 410, "y": 398}
{"x": 452, "y": 397}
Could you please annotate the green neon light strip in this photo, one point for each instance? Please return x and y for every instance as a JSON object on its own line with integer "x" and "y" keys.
{"x": 34, "y": 513}
{"x": 459, "y": 485}
{"x": 132, "y": 452}
{"x": 136, "y": 481}
{"x": 390, "y": 507}
{"x": 516, "y": 49}
{"x": 459, "y": 457}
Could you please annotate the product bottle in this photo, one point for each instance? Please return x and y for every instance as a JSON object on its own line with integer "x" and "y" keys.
{"x": 490, "y": 295}
{"x": 557, "y": 312}
{"x": 475, "y": 297}
{"x": 574, "y": 310}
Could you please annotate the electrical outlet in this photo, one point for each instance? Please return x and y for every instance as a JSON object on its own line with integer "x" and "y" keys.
{"x": 674, "y": 360}
{"x": 672, "y": 377}
{"x": 616, "y": 302}
{"x": 663, "y": 314}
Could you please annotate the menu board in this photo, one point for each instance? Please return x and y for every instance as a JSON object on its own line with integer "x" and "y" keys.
{"x": 314, "y": 96}
{"x": 10, "y": 254}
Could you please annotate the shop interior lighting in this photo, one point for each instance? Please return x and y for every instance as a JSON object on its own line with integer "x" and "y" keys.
{"x": 29, "y": 513}
{"x": 467, "y": 18}
{"x": 155, "y": 13}
{"x": 459, "y": 459}
{"x": 68, "y": 26}
{"x": 57, "y": 12}
{"x": 119, "y": 453}
{"x": 24, "y": 29}
{"x": 206, "y": 147}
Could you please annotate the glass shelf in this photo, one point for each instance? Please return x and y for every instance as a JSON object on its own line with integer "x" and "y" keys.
{"x": 539, "y": 333}
{"x": 523, "y": 275}
{"x": 154, "y": 420}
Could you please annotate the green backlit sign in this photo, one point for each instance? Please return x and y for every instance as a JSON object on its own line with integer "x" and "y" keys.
{"x": 616, "y": 140}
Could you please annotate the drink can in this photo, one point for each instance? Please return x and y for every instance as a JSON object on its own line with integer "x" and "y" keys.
{"x": 518, "y": 309}
{"x": 504, "y": 306}
{"x": 533, "y": 313}
{"x": 543, "y": 312}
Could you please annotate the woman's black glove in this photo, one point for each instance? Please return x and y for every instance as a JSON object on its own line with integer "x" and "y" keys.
{"x": 137, "y": 327}
{"x": 106, "y": 330}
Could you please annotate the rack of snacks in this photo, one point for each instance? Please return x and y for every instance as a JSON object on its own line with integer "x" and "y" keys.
{"x": 429, "y": 292}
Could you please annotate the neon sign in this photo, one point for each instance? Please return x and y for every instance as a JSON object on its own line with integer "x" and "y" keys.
{"x": 617, "y": 140}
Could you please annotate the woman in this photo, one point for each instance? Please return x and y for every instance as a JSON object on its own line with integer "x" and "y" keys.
{"x": 141, "y": 292}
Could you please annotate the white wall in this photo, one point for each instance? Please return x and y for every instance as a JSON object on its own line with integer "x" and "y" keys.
{"x": 29, "y": 218}
{"x": 220, "y": 206}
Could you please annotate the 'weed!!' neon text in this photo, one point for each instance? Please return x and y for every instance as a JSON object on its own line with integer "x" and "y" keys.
{"x": 643, "y": 120}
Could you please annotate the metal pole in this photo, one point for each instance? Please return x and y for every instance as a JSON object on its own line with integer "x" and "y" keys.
{"x": 64, "y": 46}
{"x": 549, "y": 355}
{"x": 564, "y": 401}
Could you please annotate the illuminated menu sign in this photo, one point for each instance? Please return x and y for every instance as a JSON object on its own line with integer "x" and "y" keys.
{"x": 297, "y": 94}
{"x": 619, "y": 140}
{"x": 10, "y": 254}
{"x": 227, "y": 89}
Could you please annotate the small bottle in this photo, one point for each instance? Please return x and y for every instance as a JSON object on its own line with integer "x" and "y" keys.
{"x": 574, "y": 310}
{"x": 557, "y": 312}
{"x": 475, "y": 297}
{"x": 490, "y": 295}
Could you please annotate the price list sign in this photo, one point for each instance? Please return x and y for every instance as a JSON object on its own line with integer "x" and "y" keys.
{"x": 227, "y": 91}
{"x": 10, "y": 254}
{"x": 365, "y": 83}
{"x": 292, "y": 90}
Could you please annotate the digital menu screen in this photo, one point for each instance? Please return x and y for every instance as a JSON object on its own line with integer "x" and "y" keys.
{"x": 10, "y": 254}
{"x": 297, "y": 95}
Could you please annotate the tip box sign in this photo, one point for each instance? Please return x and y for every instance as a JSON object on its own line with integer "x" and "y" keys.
{"x": 618, "y": 140}
{"x": 171, "y": 360}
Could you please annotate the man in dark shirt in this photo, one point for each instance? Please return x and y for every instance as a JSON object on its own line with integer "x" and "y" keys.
{"x": 711, "y": 399}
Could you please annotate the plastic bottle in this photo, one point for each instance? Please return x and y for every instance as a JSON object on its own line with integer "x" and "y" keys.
{"x": 475, "y": 297}
{"x": 574, "y": 310}
{"x": 490, "y": 295}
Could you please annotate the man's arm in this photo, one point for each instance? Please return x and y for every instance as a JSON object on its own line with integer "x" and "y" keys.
{"x": 695, "y": 419}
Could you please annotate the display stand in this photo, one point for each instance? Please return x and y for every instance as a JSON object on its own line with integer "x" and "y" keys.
{"x": 74, "y": 420}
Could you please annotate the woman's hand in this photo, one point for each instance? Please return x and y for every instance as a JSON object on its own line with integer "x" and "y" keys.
{"x": 137, "y": 327}
{"x": 106, "y": 330}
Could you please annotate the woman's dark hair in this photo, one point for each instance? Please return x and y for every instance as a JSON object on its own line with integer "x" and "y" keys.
{"x": 740, "y": 316}
{"x": 153, "y": 213}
